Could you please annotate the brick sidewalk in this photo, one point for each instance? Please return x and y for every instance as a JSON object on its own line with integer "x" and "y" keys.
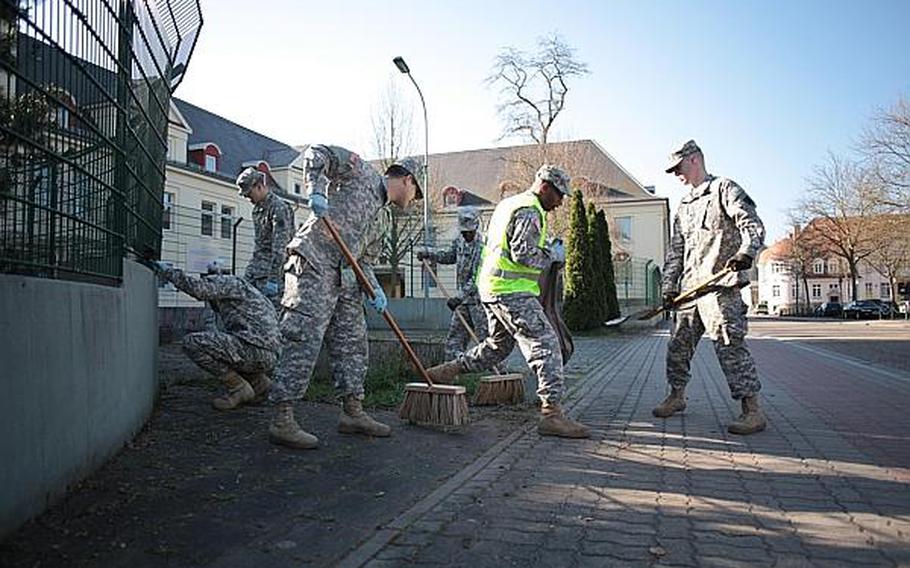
{"x": 826, "y": 485}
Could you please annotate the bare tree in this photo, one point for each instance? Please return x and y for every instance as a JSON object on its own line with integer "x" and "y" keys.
{"x": 804, "y": 247}
{"x": 533, "y": 87}
{"x": 392, "y": 139}
{"x": 841, "y": 203}
{"x": 890, "y": 255}
{"x": 886, "y": 143}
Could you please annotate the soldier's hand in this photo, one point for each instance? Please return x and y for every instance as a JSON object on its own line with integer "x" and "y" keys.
{"x": 378, "y": 303}
{"x": 558, "y": 251}
{"x": 453, "y": 303}
{"x": 739, "y": 262}
{"x": 423, "y": 255}
{"x": 319, "y": 204}
{"x": 667, "y": 301}
{"x": 158, "y": 266}
{"x": 270, "y": 289}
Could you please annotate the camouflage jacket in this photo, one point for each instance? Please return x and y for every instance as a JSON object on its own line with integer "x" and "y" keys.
{"x": 245, "y": 312}
{"x": 355, "y": 192}
{"x": 273, "y": 222}
{"x": 466, "y": 258}
{"x": 369, "y": 256}
{"x": 713, "y": 222}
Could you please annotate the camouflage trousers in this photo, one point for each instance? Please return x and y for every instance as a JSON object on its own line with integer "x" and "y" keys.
{"x": 520, "y": 320}
{"x": 317, "y": 306}
{"x": 458, "y": 337}
{"x": 727, "y": 316}
{"x": 219, "y": 352}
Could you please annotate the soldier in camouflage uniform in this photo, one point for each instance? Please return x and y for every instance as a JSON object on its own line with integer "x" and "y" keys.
{"x": 273, "y": 223}
{"x": 514, "y": 256}
{"x": 715, "y": 226}
{"x": 464, "y": 253}
{"x": 320, "y": 298}
{"x": 245, "y": 352}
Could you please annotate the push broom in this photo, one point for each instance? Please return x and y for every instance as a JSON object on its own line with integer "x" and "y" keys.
{"x": 687, "y": 296}
{"x": 501, "y": 388}
{"x": 424, "y": 403}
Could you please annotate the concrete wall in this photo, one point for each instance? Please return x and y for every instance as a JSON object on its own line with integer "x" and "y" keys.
{"x": 79, "y": 375}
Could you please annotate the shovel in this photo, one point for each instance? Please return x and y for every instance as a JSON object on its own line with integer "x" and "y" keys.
{"x": 687, "y": 296}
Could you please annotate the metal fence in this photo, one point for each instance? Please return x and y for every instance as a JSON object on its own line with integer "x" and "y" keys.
{"x": 637, "y": 279}
{"x": 84, "y": 99}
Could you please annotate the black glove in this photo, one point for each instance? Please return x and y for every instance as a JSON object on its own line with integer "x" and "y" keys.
{"x": 667, "y": 302}
{"x": 423, "y": 255}
{"x": 453, "y": 303}
{"x": 739, "y": 262}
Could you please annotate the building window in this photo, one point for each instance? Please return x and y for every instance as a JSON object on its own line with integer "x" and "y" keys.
{"x": 832, "y": 286}
{"x": 167, "y": 211}
{"x": 208, "y": 218}
{"x": 886, "y": 290}
{"x": 775, "y": 291}
{"x": 297, "y": 188}
{"x": 211, "y": 163}
{"x": 818, "y": 267}
{"x": 868, "y": 289}
{"x": 816, "y": 290}
{"x": 227, "y": 221}
{"x": 624, "y": 228}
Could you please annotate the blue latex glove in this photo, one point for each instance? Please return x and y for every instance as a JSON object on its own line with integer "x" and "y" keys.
{"x": 558, "y": 251}
{"x": 378, "y": 303}
{"x": 319, "y": 204}
{"x": 270, "y": 289}
{"x": 158, "y": 266}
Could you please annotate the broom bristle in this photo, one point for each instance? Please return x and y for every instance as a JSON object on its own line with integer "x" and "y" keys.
{"x": 443, "y": 405}
{"x": 500, "y": 389}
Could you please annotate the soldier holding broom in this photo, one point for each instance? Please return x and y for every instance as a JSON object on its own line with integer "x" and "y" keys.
{"x": 319, "y": 300}
{"x": 514, "y": 256}
{"x": 464, "y": 253}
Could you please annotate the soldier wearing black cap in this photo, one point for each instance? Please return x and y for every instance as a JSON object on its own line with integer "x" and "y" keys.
{"x": 715, "y": 226}
{"x": 318, "y": 302}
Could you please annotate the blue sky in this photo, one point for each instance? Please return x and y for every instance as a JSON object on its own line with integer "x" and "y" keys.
{"x": 766, "y": 88}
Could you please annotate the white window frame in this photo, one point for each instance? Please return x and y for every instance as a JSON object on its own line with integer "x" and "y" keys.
{"x": 167, "y": 211}
{"x": 818, "y": 267}
{"x": 227, "y": 221}
{"x": 816, "y": 290}
{"x": 211, "y": 163}
{"x": 775, "y": 291}
{"x": 624, "y": 232}
{"x": 207, "y": 214}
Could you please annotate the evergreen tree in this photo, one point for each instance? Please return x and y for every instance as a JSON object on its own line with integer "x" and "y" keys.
{"x": 604, "y": 250}
{"x": 578, "y": 269}
{"x": 596, "y": 297}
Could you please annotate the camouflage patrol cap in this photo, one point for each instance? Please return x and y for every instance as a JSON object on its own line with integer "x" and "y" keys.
{"x": 556, "y": 176}
{"x": 248, "y": 179}
{"x": 677, "y": 156}
{"x": 468, "y": 219}
{"x": 413, "y": 167}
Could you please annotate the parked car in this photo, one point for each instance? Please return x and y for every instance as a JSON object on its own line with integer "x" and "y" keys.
{"x": 761, "y": 309}
{"x": 865, "y": 309}
{"x": 829, "y": 310}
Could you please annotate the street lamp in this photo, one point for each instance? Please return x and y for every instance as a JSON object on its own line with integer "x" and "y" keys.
{"x": 403, "y": 67}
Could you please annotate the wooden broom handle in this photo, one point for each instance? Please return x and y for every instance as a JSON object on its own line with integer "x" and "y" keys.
{"x": 368, "y": 288}
{"x": 692, "y": 292}
{"x": 448, "y": 296}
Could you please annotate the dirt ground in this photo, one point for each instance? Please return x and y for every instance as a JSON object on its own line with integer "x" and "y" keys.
{"x": 199, "y": 487}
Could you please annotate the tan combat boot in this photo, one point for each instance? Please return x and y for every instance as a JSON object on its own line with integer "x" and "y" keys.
{"x": 239, "y": 392}
{"x": 285, "y": 431}
{"x": 555, "y": 423}
{"x": 752, "y": 419}
{"x": 445, "y": 373}
{"x": 675, "y": 402}
{"x": 261, "y": 384}
{"x": 355, "y": 421}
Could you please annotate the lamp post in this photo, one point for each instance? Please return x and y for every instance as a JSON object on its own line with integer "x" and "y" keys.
{"x": 403, "y": 67}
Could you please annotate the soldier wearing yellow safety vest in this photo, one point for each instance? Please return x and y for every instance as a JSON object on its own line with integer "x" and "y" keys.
{"x": 514, "y": 256}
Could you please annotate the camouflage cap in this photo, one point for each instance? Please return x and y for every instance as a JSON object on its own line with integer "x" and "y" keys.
{"x": 248, "y": 179}
{"x": 468, "y": 219}
{"x": 556, "y": 176}
{"x": 677, "y": 156}
{"x": 413, "y": 167}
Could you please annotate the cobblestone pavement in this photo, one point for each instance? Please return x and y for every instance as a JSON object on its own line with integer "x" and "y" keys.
{"x": 825, "y": 486}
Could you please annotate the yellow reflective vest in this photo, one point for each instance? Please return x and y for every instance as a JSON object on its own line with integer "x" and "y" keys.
{"x": 499, "y": 275}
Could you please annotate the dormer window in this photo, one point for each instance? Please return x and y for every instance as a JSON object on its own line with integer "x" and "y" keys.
{"x": 205, "y": 155}
{"x": 211, "y": 163}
